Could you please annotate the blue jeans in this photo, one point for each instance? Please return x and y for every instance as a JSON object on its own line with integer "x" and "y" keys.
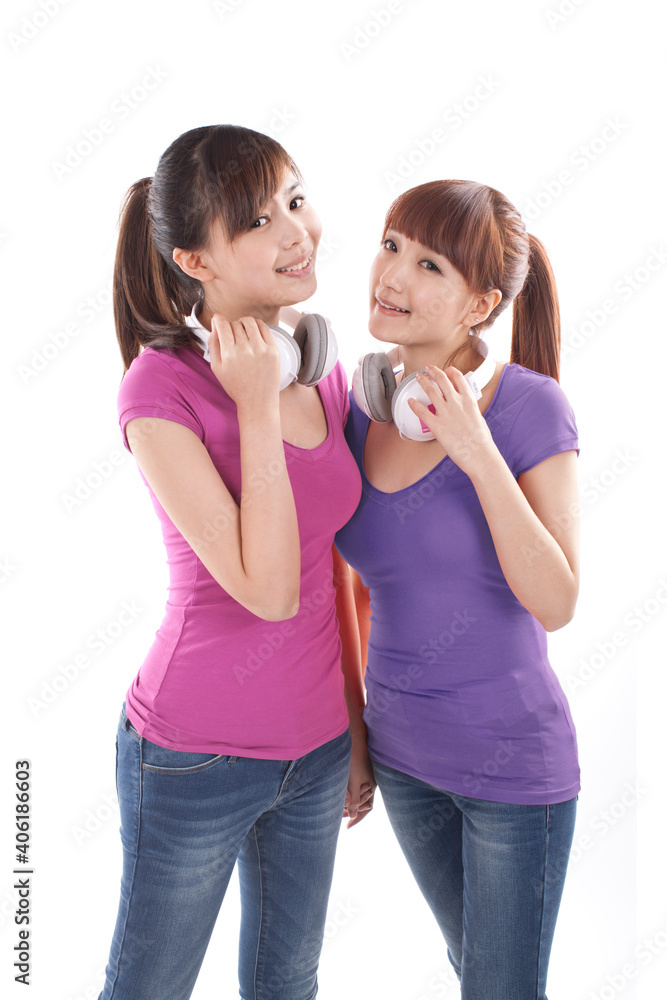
{"x": 492, "y": 873}
{"x": 186, "y": 819}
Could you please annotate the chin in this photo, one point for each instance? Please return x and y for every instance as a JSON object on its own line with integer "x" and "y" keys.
{"x": 379, "y": 331}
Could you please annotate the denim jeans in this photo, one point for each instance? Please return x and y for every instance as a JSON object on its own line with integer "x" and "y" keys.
{"x": 492, "y": 873}
{"x": 186, "y": 819}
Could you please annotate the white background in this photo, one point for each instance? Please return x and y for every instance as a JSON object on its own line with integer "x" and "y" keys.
{"x": 522, "y": 92}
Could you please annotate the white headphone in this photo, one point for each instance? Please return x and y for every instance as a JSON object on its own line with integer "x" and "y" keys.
{"x": 307, "y": 357}
{"x": 378, "y": 396}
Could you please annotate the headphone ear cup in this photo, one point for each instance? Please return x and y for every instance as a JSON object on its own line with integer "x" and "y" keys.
{"x": 317, "y": 344}
{"x": 408, "y": 423}
{"x": 290, "y": 356}
{"x": 374, "y": 385}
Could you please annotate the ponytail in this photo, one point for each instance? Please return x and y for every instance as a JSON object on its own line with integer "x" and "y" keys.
{"x": 536, "y": 316}
{"x": 149, "y": 303}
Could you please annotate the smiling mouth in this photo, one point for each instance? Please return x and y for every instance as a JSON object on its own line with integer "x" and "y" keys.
{"x": 295, "y": 267}
{"x": 385, "y": 305}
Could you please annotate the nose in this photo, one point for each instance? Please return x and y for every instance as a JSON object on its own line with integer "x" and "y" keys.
{"x": 390, "y": 275}
{"x": 295, "y": 231}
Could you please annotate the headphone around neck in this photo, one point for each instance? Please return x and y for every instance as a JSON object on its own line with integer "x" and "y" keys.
{"x": 307, "y": 356}
{"x": 382, "y": 399}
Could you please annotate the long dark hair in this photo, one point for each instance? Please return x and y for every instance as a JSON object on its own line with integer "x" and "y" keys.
{"x": 223, "y": 172}
{"x": 484, "y": 237}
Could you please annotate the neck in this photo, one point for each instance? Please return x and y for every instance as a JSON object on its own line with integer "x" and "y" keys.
{"x": 463, "y": 356}
{"x": 268, "y": 314}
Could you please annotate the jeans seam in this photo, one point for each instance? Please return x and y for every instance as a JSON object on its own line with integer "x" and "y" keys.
{"x": 261, "y": 909}
{"x": 538, "y": 964}
{"x": 134, "y": 870}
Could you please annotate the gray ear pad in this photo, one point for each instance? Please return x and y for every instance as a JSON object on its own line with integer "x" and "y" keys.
{"x": 379, "y": 383}
{"x": 311, "y": 335}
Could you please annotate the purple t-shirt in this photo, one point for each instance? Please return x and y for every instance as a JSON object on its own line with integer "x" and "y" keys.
{"x": 217, "y": 678}
{"x": 460, "y": 690}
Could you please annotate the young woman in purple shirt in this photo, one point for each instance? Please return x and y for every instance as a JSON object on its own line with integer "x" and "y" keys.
{"x": 466, "y": 545}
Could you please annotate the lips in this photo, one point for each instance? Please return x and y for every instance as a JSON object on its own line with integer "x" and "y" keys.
{"x": 384, "y": 304}
{"x": 297, "y": 265}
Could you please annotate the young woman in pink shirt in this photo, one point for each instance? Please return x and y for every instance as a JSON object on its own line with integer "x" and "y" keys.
{"x": 234, "y": 742}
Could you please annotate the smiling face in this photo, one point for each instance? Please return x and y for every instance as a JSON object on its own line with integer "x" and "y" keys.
{"x": 418, "y": 299}
{"x": 270, "y": 265}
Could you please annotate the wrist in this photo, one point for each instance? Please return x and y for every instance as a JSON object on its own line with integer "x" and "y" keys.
{"x": 358, "y": 730}
{"x": 483, "y": 458}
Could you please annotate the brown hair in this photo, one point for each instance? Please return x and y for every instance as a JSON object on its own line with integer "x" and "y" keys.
{"x": 223, "y": 172}
{"x": 483, "y": 236}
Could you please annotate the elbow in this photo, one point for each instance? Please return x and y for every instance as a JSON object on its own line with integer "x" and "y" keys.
{"x": 279, "y": 613}
{"x": 276, "y": 607}
{"x": 556, "y": 618}
{"x": 272, "y": 603}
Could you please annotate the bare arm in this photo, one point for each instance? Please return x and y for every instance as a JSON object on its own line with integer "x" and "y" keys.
{"x": 361, "y": 786}
{"x": 535, "y": 528}
{"x": 534, "y": 522}
{"x": 363, "y": 608}
{"x": 252, "y": 551}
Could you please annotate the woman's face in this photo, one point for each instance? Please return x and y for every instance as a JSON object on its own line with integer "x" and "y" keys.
{"x": 269, "y": 266}
{"x": 417, "y": 298}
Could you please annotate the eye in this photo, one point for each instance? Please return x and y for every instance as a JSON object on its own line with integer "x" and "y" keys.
{"x": 430, "y": 266}
{"x": 389, "y": 245}
{"x": 297, "y": 201}
{"x": 258, "y": 223}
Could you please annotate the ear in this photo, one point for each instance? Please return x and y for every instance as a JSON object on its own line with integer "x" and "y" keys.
{"x": 483, "y": 306}
{"x": 193, "y": 263}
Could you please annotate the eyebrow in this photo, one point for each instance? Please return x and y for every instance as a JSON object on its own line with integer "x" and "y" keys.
{"x": 395, "y": 232}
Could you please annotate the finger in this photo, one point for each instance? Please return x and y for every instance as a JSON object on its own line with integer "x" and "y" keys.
{"x": 432, "y": 390}
{"x": 221, "y": 337}
{"x": 245, "y": 329}
{"x": 423, "y": 412}
{"x": 358, "y": 818}
{"x": 438, "y": 378}
{"x": 266, "y": 333}
{"x": 454, "y": 378}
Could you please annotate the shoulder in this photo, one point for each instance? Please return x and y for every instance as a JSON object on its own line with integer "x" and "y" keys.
{"x": 533, "y": 418}
{"x": 161, "y": 383}
{"x": 157, "y": 371}
{"x": 531, "y": 394}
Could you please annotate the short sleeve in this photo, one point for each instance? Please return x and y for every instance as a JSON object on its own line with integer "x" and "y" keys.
{"x": 544, "y": 426}
{"x": 153, "y": 387}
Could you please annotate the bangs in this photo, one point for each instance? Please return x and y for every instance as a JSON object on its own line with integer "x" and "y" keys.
{"x": 455, "y": 219}
{"x": 241, "y": 171}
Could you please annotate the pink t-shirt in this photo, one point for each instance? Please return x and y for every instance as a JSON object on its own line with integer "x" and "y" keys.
{"x": 217, "y": 678}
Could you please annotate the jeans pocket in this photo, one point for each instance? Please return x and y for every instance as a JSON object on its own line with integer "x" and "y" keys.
{"x": 166, "y": 761}
{"x": 163, "y": 760}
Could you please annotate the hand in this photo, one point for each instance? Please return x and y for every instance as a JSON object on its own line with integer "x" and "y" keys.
{"x": 361, "y": 785}
{"x": 245, "y": 359}
{"x": 457, "y": 423}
